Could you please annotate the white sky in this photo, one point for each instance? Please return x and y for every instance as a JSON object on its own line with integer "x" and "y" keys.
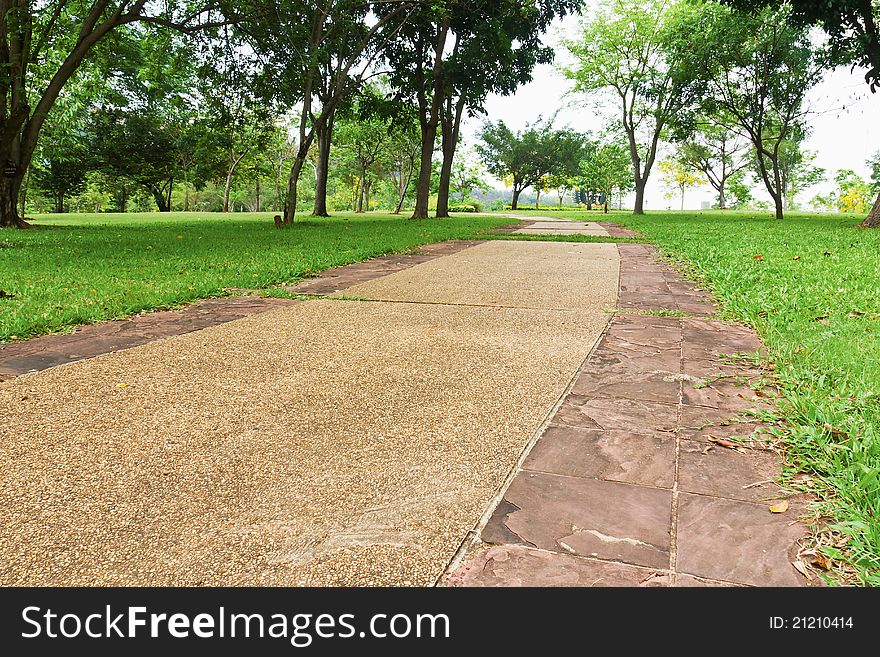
{"x": 845, "y": 126}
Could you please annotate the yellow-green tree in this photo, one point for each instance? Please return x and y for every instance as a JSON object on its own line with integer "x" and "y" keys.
{"x": 677, "y": 179}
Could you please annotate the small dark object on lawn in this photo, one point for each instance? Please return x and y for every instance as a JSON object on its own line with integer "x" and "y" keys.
{"x": 279, "y": 222}
{"x": 6, "y": 295}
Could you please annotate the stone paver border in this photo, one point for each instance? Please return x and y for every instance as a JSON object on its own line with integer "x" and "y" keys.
{"x": 634, "y": 480}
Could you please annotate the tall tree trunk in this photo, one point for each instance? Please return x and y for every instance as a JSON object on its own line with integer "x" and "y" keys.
{"x": 9, "y": 189}
{"x": 295, "y": 170}
{"x": 185, "y": 191}
{"x": 538, "y": 198}
{"x": 324, "y": 137}
{"x": 362, "y": 184}
{"x": 423, "y": 185}
{"x": 514, "y": 203}
{"x": 159, "y": 198}
{"x": 722, "y": 200}
{"x": 402, "y": 187}
{"x": 873, "y": 218}
{"x": 429, "y": 118}
{"x": 780, "y": 207}
{"x": 228, "y": 187}
{"x": 257, "y": 191}
{"x": 59, "y": 204}
{"x": 639, "y": 207}
{"x": 368, "y": 184}
{"x": 682, "y": 200}
{"x": 451, "y": 128}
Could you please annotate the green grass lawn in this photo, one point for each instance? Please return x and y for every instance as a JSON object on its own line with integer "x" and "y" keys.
{"x": 77, "y": 269}
{"x": 810, "y": 285}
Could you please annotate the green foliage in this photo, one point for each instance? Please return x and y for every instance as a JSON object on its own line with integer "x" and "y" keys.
{"x": 628, "y": 50}
{"x": 852, "y": 27}
{"x": 606, "y": 171}
{"x": 755, "y": 70}
{"x": 527, "y": 158}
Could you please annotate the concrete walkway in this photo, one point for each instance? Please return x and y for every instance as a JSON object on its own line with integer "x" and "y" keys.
{"x": 329, "y": 442}
{"x": 537, "y": 225}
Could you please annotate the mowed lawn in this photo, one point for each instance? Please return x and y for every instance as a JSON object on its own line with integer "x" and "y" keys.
{"x": 76, "y": 269}
{"x": 810, "y": 285}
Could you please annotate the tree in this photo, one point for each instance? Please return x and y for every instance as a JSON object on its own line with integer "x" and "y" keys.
{"x": 677, "y": 177}
{"x": 364, "y": 136}
{"x": 404, "y": 142}
{"x": 57, "y": 167}
{"x": 42, "y": 45}
{"x": 716, "y": 152}
{"x": 853, "y": 193}
{"x": 606, "y": 171}
{"x": 855, "y": 40}
{"x": 314, "y": 54}
{"x": 625, "y": 49}
{"x": 754, "y": 71}
{"x": 874, "y": 165}
{"x": 525, "y": 157}
{"x": 467, "y": 175}
{"x": 797, "y": 171}
{"x": 137, "y": 147}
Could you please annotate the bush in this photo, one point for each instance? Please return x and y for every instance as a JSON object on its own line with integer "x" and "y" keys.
{"x": 462, "y": 208}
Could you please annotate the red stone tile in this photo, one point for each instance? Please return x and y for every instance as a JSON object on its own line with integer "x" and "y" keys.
{"x": 616, "y": 414}
{"x": 639, "y": 386}
{"x": 722, "y": 472}
{"x": 602, "y": 519}
{"x": 648, "y": 460}
{"x": 696, "y": 417}
{"x": 506, "y": 565}
{"x": 720, "y": 394}
{"x": 738, "y": 542}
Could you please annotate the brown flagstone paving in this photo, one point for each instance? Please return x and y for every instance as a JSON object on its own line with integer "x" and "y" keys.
{"x": 627, "y": 485}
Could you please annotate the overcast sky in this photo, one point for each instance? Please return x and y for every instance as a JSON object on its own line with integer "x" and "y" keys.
{"x": 845, "y": 126}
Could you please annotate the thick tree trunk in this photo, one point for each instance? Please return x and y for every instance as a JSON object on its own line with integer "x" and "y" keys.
{"x": 873, "y": 218}
{"x": 423, "y": 185}
{"x": 639, "y": 207}
{"x": 780, "y": 207}
{"x": 59, "y": 204}
{"x": 9, "y": 217}
{"x": 722, "y": 200}
{"x": 451, "y": 128}
{"x": 160, "y": 199}
{"x": 324, "y": 136}
{"x": 514, "y": 203}
{"x": 682, "y": 201}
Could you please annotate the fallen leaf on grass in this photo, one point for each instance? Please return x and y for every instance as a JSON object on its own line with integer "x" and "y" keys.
{"x": 801, "y": 567}
{"x": 759, "y": 257}
{"x": 796, "y": 258}
{"x": 821, "y": 561}
{"x": 779, "y": 507}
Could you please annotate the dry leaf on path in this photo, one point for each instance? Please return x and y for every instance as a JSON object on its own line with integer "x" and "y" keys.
{"x": 779, "y": 507}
